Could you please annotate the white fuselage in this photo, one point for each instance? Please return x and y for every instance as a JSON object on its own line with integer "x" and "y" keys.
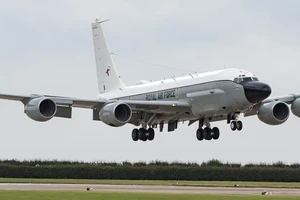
{"x": 209, "y": 94}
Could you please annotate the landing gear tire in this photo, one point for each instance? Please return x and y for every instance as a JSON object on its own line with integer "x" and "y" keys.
{"x": 135, "y": 134}
{"x": 151, "y": 134}
{"x": 239, "y": 125}
{"x": 215, "y": 133}
{"x": 207, "y": 133}
{"x": 142, "y": 134}
{"x": 233, "y": 125}
{"x": 200, "y": 134}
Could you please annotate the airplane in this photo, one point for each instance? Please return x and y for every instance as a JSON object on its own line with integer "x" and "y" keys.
{"x": 204, "y": 98}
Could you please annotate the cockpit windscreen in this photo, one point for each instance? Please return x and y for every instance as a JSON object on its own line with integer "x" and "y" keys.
{"x": 245, "y": 79}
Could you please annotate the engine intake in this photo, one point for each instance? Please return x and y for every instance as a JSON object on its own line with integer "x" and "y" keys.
{"x": 115, "y": 114}
{"x": 40, "y": 109}
{"x": 274, "y": 113}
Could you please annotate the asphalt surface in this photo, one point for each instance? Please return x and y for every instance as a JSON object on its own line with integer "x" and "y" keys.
{"x": 147, "y": 189}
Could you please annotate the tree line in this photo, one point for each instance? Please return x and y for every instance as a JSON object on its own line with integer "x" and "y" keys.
{"x": 213, "y": 170}
{"x": 210, "y": 163}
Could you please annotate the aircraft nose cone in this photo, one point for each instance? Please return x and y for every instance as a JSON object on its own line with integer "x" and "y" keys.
{"x": 256, "y": 91}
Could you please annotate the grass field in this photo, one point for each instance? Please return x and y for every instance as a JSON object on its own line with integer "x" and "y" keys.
{"x": 58, "y": 195}
{"x": 142, "y": 182}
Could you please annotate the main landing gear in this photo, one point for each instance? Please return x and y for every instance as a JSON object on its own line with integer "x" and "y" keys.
{"x": 143, "y": 134}
{"x": 207, "y": 133}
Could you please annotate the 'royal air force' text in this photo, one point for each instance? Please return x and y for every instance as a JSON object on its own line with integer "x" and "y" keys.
{"x": 161, "y": 95}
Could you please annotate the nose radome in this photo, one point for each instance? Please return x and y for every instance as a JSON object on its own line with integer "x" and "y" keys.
{"x": 256, "y": 91}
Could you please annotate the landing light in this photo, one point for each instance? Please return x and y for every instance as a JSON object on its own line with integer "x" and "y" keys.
{"x": 174, "y": 104}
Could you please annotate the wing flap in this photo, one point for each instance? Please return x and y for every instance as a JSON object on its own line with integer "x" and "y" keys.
{"x": 90, "y": 104}
{"x": 64, "y": 112}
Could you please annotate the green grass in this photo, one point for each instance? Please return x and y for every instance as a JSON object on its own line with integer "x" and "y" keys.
{"x": 142, "y": 182}
{"x": 59, "y": 195}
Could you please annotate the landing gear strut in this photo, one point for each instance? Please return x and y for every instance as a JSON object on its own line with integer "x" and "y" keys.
{"x": 207, "y": 133}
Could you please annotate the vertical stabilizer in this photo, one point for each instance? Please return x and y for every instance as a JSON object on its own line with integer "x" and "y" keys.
{"x": 108, "y": 78}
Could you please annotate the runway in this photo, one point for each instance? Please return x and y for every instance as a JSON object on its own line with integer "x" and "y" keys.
{"x": 147, "y": 189}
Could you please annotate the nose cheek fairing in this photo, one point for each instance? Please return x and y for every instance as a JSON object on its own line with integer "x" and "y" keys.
{"x": 256, "y": 91}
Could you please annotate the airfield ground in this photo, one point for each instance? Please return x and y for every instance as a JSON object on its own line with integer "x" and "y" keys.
{"x": 66, "y": 195}
{"x": 148, "y": 189}
{"x": 12, "y": 189}
{"x": 150, "y": 182}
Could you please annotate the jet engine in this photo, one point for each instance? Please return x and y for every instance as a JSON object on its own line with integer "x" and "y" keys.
{"x": 40, "y": 109}
{"x": 274, "y": 113}
{"x": 296, "y": 107}
{"x": 115, "y": 114}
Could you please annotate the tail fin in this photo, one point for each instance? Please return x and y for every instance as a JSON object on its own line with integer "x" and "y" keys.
{"x": 108, "y": 78}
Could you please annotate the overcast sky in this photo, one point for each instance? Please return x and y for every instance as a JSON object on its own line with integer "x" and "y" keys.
{"x": 46, "y": 47}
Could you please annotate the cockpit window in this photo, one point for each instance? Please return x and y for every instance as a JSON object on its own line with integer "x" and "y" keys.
{"x": 238, "y": 80}
{"x": 245, "y": 79}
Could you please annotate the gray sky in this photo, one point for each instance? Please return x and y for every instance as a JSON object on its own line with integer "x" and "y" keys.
{"x": 46, "y": 47}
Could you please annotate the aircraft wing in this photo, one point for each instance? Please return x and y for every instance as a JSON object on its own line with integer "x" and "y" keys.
{"x": 66, "y": 103}
{"x": 60, "y": 101}
{"x": 14, "y": 97}
{"x": 289, "y": 99}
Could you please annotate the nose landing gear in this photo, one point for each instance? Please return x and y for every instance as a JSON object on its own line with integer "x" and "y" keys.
{"x": 235, "y": 124}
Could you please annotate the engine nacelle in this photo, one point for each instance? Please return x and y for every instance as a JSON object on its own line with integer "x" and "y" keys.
{"x": 40, "y": 109}
{"x": 274, "y": 113}
{"x": 115, "y": 114}
{"x": 296, "y": 107}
